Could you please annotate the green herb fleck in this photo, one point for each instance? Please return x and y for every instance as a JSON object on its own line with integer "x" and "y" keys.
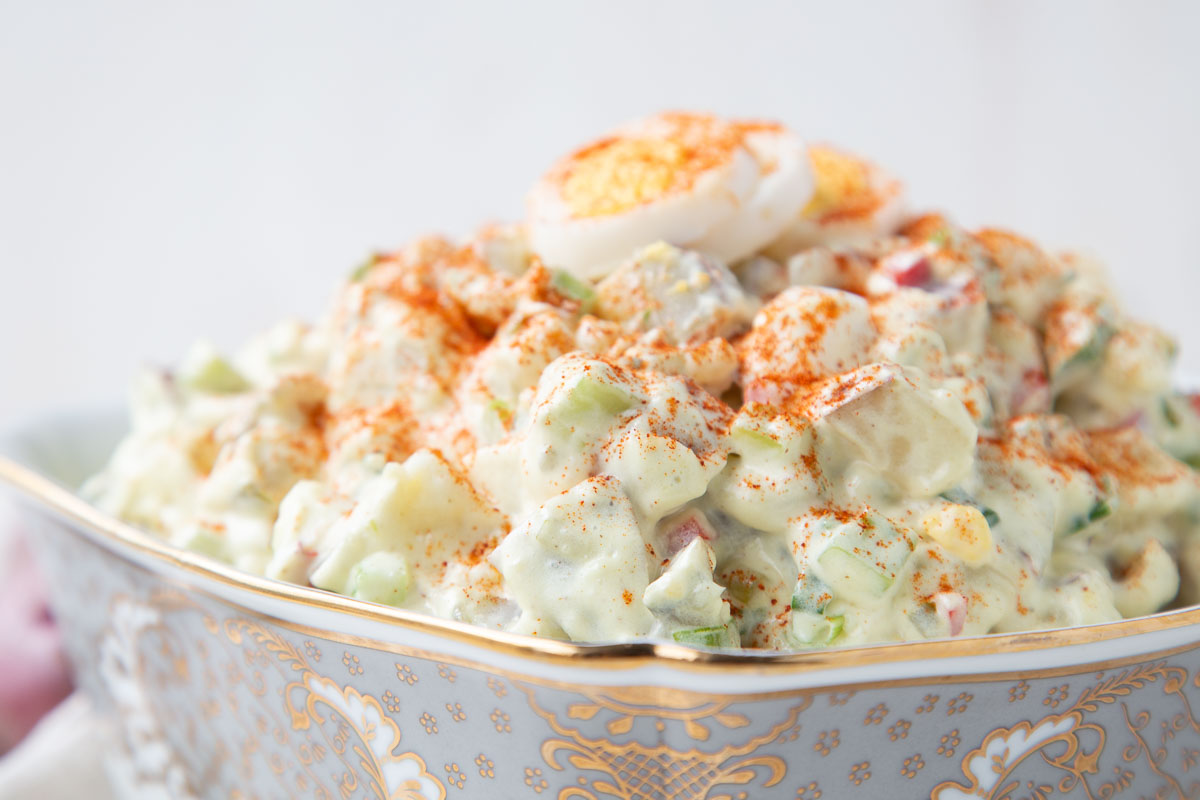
{"x": 957, "y": 495}
{"x": 362, "y": 269}
{"x": 503, "y": 409}
{"x": 1100, "y": 511}
{"x": 1170, "y": 414}
{"x": 568, "y": 285}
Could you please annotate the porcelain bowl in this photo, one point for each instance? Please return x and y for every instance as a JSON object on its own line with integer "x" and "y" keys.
{"x": 221, "y": 684}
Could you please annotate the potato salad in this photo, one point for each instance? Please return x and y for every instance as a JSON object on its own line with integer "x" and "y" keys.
{"x": 720, "y": 386}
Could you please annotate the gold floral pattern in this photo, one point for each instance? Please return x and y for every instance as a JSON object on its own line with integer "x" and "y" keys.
{"x": 455, "y": 776}
{"x": 404, "y": 672}
{"x": 354, "y": 726}
{"x": 959, "y": 703}
{"x": 809, "y": 791}
{"x": 790, "y": 735}
{"x": 1073, "y": 744}
{"x": 827, "y": 742}
{"x": 630, "y": 769}
{"x": 237, "y": 702}
{"x": 876, "y": 715}
{"x": 534, "y": 779}
{"x": 899, "y": 730}
{"x": 501, "y": 720}
{"x": 949, "y": 743}
{"x": 912, "y": 765}
{"x": 928, "y": 703}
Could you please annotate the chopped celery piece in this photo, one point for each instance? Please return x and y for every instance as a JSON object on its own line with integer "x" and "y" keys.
{"x": 813, "y": 629}
{"x": 752, "y": 439}
{"x": 811, "y": 594}
{"x": 380, "y": 578}
{"x": 889, "y": 547}
{"x": 849, "y": 574}
{"x": 1089, "y": 352}
{"x": 962, "y": 498}
{"x": 568, "y": 285}
{"x": 590, "y": 393}
{"x": 214, "y": 375}
{"x": 722, "y": 636}
{"x": 362, "y": 269}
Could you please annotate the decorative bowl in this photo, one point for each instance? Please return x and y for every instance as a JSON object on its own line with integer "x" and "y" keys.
{"x": 221, "y": 684}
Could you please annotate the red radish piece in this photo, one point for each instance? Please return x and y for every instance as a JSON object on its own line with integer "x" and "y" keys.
{"x": 952, "y": 607}
{"x": 681, "y": 535}
{"x": 762, "y": 391}
{"x": 908, "y": 268}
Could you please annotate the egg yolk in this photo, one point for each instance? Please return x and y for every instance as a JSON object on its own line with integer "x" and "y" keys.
{"x": 843, "y": 186}
{"x": 618, "y": 174}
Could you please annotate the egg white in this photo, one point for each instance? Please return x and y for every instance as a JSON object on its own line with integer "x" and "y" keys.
{"x": 729, "y": 210}
{"x": 785, "y": 185}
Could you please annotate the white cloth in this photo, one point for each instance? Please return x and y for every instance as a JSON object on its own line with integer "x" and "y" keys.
{"x": 61, "y": 759}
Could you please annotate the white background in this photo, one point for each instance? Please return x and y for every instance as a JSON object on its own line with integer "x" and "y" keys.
{"x": 175, "y": 169}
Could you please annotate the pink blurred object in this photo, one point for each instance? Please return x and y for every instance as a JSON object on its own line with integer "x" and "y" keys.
{"x": 952, "y": 606}
{"x": 33, "y": 671}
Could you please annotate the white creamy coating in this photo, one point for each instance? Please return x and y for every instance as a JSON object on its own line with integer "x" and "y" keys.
{"x": 926, "y": 433}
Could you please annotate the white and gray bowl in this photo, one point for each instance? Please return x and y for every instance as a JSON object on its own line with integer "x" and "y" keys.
{"x": 221, "y": 684}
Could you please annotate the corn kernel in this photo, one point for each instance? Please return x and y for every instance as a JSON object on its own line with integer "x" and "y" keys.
{"x": 962, "y": 530}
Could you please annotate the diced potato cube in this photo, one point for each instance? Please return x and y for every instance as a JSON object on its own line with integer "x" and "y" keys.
{"x": 1150, "y": 581}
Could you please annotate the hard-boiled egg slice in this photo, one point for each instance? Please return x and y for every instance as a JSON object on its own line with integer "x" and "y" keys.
{"x": 680, "y": 177}
{"x": 854, "y": 200}
{"x": 785, "y": 186}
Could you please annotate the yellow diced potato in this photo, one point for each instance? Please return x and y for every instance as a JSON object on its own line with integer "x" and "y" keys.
{"x": 962, "y": 530}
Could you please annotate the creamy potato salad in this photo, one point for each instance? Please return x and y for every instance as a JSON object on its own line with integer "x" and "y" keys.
{"x": 718, "y": 387}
